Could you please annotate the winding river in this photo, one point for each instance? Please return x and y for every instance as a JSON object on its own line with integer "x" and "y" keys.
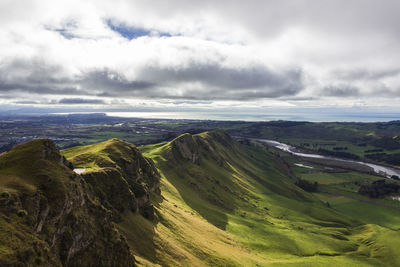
{"x": 378, "y": 169}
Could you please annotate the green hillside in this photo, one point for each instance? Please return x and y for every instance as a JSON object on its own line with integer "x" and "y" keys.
{"x": 198, "y": 200}
{"x": 377, "y": 141}
{"x": 229, "y": 204}
{"x": 51, "y": 216}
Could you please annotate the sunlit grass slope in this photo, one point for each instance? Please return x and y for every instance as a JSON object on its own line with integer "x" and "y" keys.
{"x": 227, "y": 204}
{"x": 99, "y": 155}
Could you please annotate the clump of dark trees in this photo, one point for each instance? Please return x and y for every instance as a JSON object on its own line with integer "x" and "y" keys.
{"x": 373, "y": 150}
{"x": 337, "y": 148}
{"x": 307, "y": 186}
{"x": 387, "y": 142}
{"x": 338, "y": 154}
{"x": 388, "y": 158}
{"x": 379, "y": 189}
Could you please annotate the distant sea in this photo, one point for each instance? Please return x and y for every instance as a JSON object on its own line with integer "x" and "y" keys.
{"x": 316, "y": 114}
{"x": 269, "y": 115}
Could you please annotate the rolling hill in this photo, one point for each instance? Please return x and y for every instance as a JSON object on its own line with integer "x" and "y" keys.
{"x": 198, "y": 200}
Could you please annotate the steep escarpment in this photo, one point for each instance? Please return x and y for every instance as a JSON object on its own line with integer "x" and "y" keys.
{"x": 118, "y": 173}
{"x": 184, "y": 147}
{"x": 192, "y": 148}
{"x": 218, "y": 150}
{"x": 231, "y": 204}
{"x": 222, "y": 203}
{"x": 50, "y": 216}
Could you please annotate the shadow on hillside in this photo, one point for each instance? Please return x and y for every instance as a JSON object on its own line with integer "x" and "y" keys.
{"x": 140, "y": 233}
{"x": 208, "y": 203}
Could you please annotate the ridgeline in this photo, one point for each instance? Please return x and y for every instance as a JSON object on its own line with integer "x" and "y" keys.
{"x": 198, "y": 200}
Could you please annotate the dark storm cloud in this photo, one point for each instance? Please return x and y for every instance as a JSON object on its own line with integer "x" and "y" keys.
{"x": 112, "y": 81}
{"x": 36, "y": 77}
{"x": 340, "y": 90}
{"x": 229, "y": 77}
{"x": 80, "y": 101}
{"x": 40, "y": 89}
{"x": 212, "y": 80}
{"x": 220, "y": 82}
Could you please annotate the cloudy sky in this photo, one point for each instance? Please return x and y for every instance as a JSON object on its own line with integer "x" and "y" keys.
{"x": 208, "y": 54}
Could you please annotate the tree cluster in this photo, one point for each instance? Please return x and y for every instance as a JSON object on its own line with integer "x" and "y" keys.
{"x": 338, "y": 154}
{"x": 307, "y": 186}
{"x": 379, "y": 189}
{"x": 388, "y": 158}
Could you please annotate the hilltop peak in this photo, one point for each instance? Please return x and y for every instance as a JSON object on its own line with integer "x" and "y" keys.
{"x": 44, "y": 149}
{"x": 50, "y": 208}
{"x": 119, "y": 173}
{"x": 219, "y": 136}
{"x": 182, "y": 137}
{"x": 185, "y": 147}
{"x": 46, "y": 146}
{"x": 191, "y": 147}
{"x": 117, "y": 141}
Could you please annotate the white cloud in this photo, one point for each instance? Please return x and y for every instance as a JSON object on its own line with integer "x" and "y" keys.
{"x": 289, "y": 52}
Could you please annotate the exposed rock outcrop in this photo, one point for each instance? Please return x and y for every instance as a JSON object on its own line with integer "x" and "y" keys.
{"x": 52, "y": 216}
{"x": 184, "y": 147}
{"x": 123, "y": 178}
{"x": 192, "y": 147}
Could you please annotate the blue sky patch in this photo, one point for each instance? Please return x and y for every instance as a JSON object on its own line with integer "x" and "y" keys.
{"x": 133, "y": 32}
{"x": 65, "y": 33}
{"x": 66, "y": 29}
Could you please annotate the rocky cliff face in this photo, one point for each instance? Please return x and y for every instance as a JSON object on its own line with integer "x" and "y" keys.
{"x": 122, "y": 178}
{"x": 51, "y": 216}
{"x": 192, "y": 148}
{"x": 185, "y": 147}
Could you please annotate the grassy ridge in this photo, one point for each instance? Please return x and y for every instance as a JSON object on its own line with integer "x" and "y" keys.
{"x": 100, "y": 155}
{"x": 237, "y": 205}
{"x": 49, "y": 216}
{"x": 223, "y": 204}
